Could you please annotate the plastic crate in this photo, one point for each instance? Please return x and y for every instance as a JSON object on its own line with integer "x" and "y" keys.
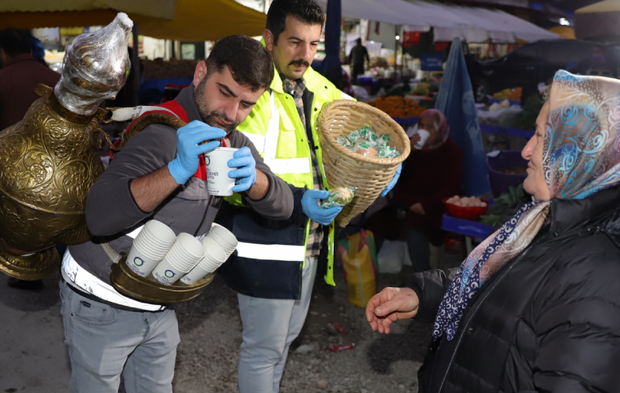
{"x": 496, "y": 162}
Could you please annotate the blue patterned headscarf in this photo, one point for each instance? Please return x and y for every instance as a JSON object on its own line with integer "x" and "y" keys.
{"x": 581, "y": 156}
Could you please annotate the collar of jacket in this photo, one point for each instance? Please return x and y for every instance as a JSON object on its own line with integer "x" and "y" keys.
{"x": 186, "y": 99}
{"x": 599, "y": 210}
{"x": 311, "y": 77}
{"x": 19, "y": 59}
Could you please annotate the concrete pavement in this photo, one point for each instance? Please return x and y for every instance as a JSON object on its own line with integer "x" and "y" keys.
{"x": 33, "y": 356}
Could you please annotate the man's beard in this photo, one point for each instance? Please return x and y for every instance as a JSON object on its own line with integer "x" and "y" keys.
{"x": 207, "y": 115}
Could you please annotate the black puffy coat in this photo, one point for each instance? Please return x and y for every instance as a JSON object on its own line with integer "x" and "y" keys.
{"x": 547, "y": 321}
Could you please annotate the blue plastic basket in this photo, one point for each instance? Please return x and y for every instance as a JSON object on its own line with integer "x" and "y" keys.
{"x": 500, "y": 182}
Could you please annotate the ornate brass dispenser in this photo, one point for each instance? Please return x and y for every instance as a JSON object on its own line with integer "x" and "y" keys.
{"x": 49, "y": 160}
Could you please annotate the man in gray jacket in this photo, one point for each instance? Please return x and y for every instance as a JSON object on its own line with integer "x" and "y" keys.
{"x": 157, "y": 175}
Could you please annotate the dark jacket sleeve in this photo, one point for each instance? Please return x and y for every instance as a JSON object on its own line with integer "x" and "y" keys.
{"x": 110, "y": 206}
{"x": 578, "y": 326}
{"x": 278, "y": 203}
{"x": 430, "y": 286}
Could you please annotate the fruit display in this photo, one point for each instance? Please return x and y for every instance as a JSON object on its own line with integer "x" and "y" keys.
{"x": 468, "y": 208}
{"x": 398, "y": 106}
{"x": 466, "y": 201}
{"x": 509, "y": 94}
{"x": 378, "y": 62}
{"x": 422, "y": 89}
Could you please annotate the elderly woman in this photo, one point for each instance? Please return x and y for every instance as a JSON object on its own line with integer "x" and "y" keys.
{"x": 431, "y": 173}
{"x": 536, "y": 306}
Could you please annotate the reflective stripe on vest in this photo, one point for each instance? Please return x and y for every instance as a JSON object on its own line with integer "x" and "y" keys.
{"x": 289, "y": 165}
{"x": 80, "y": 278}
{"x": 271, "y": 252}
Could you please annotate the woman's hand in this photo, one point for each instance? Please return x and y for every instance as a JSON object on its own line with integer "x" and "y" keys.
{"x": 390, "y": 305}
{"x": 417, "y": 209}
{"x": 415, "y": 139}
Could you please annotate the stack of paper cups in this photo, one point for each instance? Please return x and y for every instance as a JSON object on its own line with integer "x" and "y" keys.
{"x": 186, "y": 252}
{"x": 224, "y": 238}
{"x": 150, "y": 247}
{"x": 213, "y": 259}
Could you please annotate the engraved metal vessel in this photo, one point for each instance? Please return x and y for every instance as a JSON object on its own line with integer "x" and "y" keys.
{"x": 49, "y": 160}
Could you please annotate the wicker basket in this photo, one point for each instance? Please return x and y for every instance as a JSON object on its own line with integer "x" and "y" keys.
{"x": 345, "y": 168}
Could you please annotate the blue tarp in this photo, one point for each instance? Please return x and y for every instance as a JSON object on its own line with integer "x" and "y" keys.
{"x": 456, "y": 101}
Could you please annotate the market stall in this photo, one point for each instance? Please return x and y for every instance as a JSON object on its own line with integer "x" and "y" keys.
{"x": 71, "y": 13}
{"x": 198, "y": 20}
{"x": 598, "y": 21}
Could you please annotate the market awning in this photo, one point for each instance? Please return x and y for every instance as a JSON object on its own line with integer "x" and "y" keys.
{"x": 473, "y": 24}
{"x": 200, "y": 20}
{"x": 72, "y": 13}
{"x": 565, "y": 32}
{"x": 598, "y": 21}
{"x": 483, "y": 24}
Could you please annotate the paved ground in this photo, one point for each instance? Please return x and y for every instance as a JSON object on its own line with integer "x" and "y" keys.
{"x": 33, "y": 357}
{"x": 32, "y": 353}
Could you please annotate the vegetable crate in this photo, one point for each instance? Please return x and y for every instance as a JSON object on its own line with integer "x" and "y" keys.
{"x": 500, "y": 162}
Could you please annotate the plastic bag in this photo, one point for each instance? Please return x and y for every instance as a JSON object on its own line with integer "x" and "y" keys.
{"x": 358, "y": 258}
{"x": 340, "y": 196}
{"x": 392, "y": 256}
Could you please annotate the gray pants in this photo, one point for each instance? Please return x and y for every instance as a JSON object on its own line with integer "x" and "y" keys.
{"x": 105, "y": 342}
{"x": 269, "y": 328}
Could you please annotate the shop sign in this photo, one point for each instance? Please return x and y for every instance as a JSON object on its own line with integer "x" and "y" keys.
{"x": 432, "y": 62}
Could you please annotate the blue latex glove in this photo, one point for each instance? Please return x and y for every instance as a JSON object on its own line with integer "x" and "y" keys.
{"x": 311, "y": 208}
{"x": 389, "y": 187}
{"x": 188, "y": 149}
{"x": 245, "y": 174}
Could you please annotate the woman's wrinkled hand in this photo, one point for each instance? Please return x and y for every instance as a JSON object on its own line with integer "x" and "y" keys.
{"x": 390, "y": 305}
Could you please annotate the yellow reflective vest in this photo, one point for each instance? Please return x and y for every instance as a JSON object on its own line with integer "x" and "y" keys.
{"x": 275, "y": 128}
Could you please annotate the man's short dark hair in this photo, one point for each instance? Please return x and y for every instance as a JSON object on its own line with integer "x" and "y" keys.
{"x": 307, "y": 11}
{"x": 15, "y": 42}
{"x": 248, "y": 61}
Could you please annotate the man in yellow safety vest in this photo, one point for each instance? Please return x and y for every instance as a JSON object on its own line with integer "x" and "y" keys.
{"x": 276, "y": 261}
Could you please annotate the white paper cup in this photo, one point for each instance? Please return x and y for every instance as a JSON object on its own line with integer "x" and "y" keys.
{"x": 159, "y": 231}
{"x": 218, "y": 182}
{"x": 150, "y": 247}
{"x": 140, "y": 263}
{"x": 224, "y": 238}
{"x": 186, "y": 252}
{"x": 213, "y": 259}
{"x": 423, "y": 138}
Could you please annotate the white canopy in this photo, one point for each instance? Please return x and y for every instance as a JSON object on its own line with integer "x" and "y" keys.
{"x": 472, "y": 24}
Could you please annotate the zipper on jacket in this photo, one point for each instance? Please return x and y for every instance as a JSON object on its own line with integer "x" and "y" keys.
{"x": 473, "y": 313}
